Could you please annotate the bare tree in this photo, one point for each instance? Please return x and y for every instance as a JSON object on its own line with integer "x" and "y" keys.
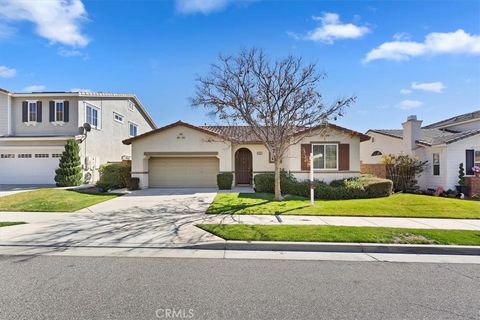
{"x": 280, "y": 100}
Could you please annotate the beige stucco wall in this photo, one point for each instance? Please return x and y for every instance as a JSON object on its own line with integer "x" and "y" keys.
{"x": 178, "y": 139}
{"x": 105, "y": 143}
{"x": 292, "y": 161}
{"x": 385, "y": 144}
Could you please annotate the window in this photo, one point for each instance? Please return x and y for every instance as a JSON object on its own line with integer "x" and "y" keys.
{"x": 7, "y": 155}
{"x": 117, "y": 117}
{"x": 24, "y": 155}
{"x": 133, "y": 129}
{"x": 56, "y": 155}
{"x": 131, "y": 105}
{"x": 32, "y": 112}
{"x": 436, "y": 164}
{"x": 92, "y": 116}
{"x": 59, "y": 111}
{"x": 477, "y": 158}
{"x": 325, "y": 156}
{"x": 41, "y": 155}
{"x": 376, "y": 153}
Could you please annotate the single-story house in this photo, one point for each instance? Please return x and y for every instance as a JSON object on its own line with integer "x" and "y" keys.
{"x": 444, "y": 144}
{"x": 185, "y": 155}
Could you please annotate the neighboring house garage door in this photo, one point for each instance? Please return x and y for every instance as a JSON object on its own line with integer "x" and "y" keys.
{"x": 28, "y": 167}
{"x": 183, "y": 172}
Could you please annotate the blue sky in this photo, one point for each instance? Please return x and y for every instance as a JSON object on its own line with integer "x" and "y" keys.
{"x": 398, "y": 57}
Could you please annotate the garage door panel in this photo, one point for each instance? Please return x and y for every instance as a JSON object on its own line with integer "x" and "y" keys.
{"x": 181, "y": 172}
{"x": 28, "y": 170}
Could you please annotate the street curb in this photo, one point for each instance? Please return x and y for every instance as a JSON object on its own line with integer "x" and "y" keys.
{"x": 338, "y": 247}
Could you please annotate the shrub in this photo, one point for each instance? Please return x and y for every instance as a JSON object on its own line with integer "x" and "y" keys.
{"x": 134, "y": 183}
{"x": 403, "y": 170}
{"x": 225, "y": 180}
{"x": 354, "y": 188}
{"x": 461, "y": 175}
{"x": 265, "y": 182}
{"x": 114, "y": 176}
{"x": 69, "y": 172}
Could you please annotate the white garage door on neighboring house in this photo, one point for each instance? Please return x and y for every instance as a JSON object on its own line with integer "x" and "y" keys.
{"x": 27, "y": 167}
{"x": 183, "y": 172}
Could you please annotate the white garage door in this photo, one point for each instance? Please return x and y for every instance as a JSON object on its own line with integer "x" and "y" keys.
{"x": 183, "y": 172}
{"x": 27, "y": 168}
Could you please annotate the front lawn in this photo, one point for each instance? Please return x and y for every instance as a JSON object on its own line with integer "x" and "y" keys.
{"x": 399, "y": 205}
{"x": 52, "y": 200}
{"x": 6, "y": 224}
{"x": 306, "y": 233}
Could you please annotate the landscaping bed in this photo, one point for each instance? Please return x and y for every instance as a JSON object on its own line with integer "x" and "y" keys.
{"x": 398, "y": 205}
{"x": 52, "y": 200}
{"x": 306, "y": 233}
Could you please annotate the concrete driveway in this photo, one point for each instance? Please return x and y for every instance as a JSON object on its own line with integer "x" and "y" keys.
{"x": 143, "y": 219}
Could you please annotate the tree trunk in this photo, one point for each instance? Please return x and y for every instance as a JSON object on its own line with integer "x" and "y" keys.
{"x": 278, "y": 190}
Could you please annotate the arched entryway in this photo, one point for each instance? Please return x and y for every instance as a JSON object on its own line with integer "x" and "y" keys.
{"x": 243, "y": 166}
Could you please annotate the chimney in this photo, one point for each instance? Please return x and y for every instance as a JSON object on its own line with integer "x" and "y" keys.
{"x": 411, "y": 132}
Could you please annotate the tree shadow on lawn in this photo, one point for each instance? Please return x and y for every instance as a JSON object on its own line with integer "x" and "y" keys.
{"x": 267, "y": 198}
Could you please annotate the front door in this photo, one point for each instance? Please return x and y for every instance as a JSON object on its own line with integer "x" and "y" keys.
{"x": 243, "y": 166}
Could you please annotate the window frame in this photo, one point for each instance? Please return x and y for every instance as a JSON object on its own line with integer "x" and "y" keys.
{"x": 115, "y": 114}
{"x": 32, "y": 102}
{"x": 324, "y": 156}
{"x": 436, "y": 166}
{"x": 131, "y": 105}
{"x": 475, "y": 162}
{"x": 130, "y": 124}
{"x": 98, "y": 126}
{"x": 55, "y": 118}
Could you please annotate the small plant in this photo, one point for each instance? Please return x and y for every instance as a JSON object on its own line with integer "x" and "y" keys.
{"x": 476, "y": 169}
{"x": 225, "y": 180}
{"x": 461, "y": 175}
{"x": 69, "y": 172}
{"x": 475, "y": 197}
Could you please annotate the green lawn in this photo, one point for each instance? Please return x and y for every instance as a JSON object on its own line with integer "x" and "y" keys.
{"x": 6, "y": 224}
{"x": 52, "y": 200}
{"x": 399, "y": 205}
{"x": 309, "y": 233}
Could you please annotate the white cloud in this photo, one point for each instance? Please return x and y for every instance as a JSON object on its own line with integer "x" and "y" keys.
{"x": 409, "y": 104}
{"x": 429, "y": 86}
{"x": 331, "y": 29}
{"x": 401, "y": 36}
{"x": 34, "y": 88}
{"x": 200, "y": 6}
{"x": 405, "y": 91}
{"x": 436, "y": 43}
{"x": 6, "y": 72}
{"x": 58, "y": 21}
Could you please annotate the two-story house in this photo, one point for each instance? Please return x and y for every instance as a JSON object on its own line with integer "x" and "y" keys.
{"x": 35, "y": 126}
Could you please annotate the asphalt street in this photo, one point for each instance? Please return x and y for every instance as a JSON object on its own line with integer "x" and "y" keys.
{"x": 52, "y": 287}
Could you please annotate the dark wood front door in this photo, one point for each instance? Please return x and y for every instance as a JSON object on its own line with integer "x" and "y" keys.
{"x": 243, "y": 166}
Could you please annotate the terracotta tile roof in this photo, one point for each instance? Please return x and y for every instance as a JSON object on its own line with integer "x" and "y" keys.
{"x": 241, "y": 134}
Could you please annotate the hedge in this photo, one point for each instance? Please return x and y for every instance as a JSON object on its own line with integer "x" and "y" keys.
{"x": 225, "y": 180}
{"x": 114, "y": 176}
{"x": 354, "y": 188}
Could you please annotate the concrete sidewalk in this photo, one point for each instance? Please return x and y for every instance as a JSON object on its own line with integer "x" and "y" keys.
{"x": 418, "y": 223}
